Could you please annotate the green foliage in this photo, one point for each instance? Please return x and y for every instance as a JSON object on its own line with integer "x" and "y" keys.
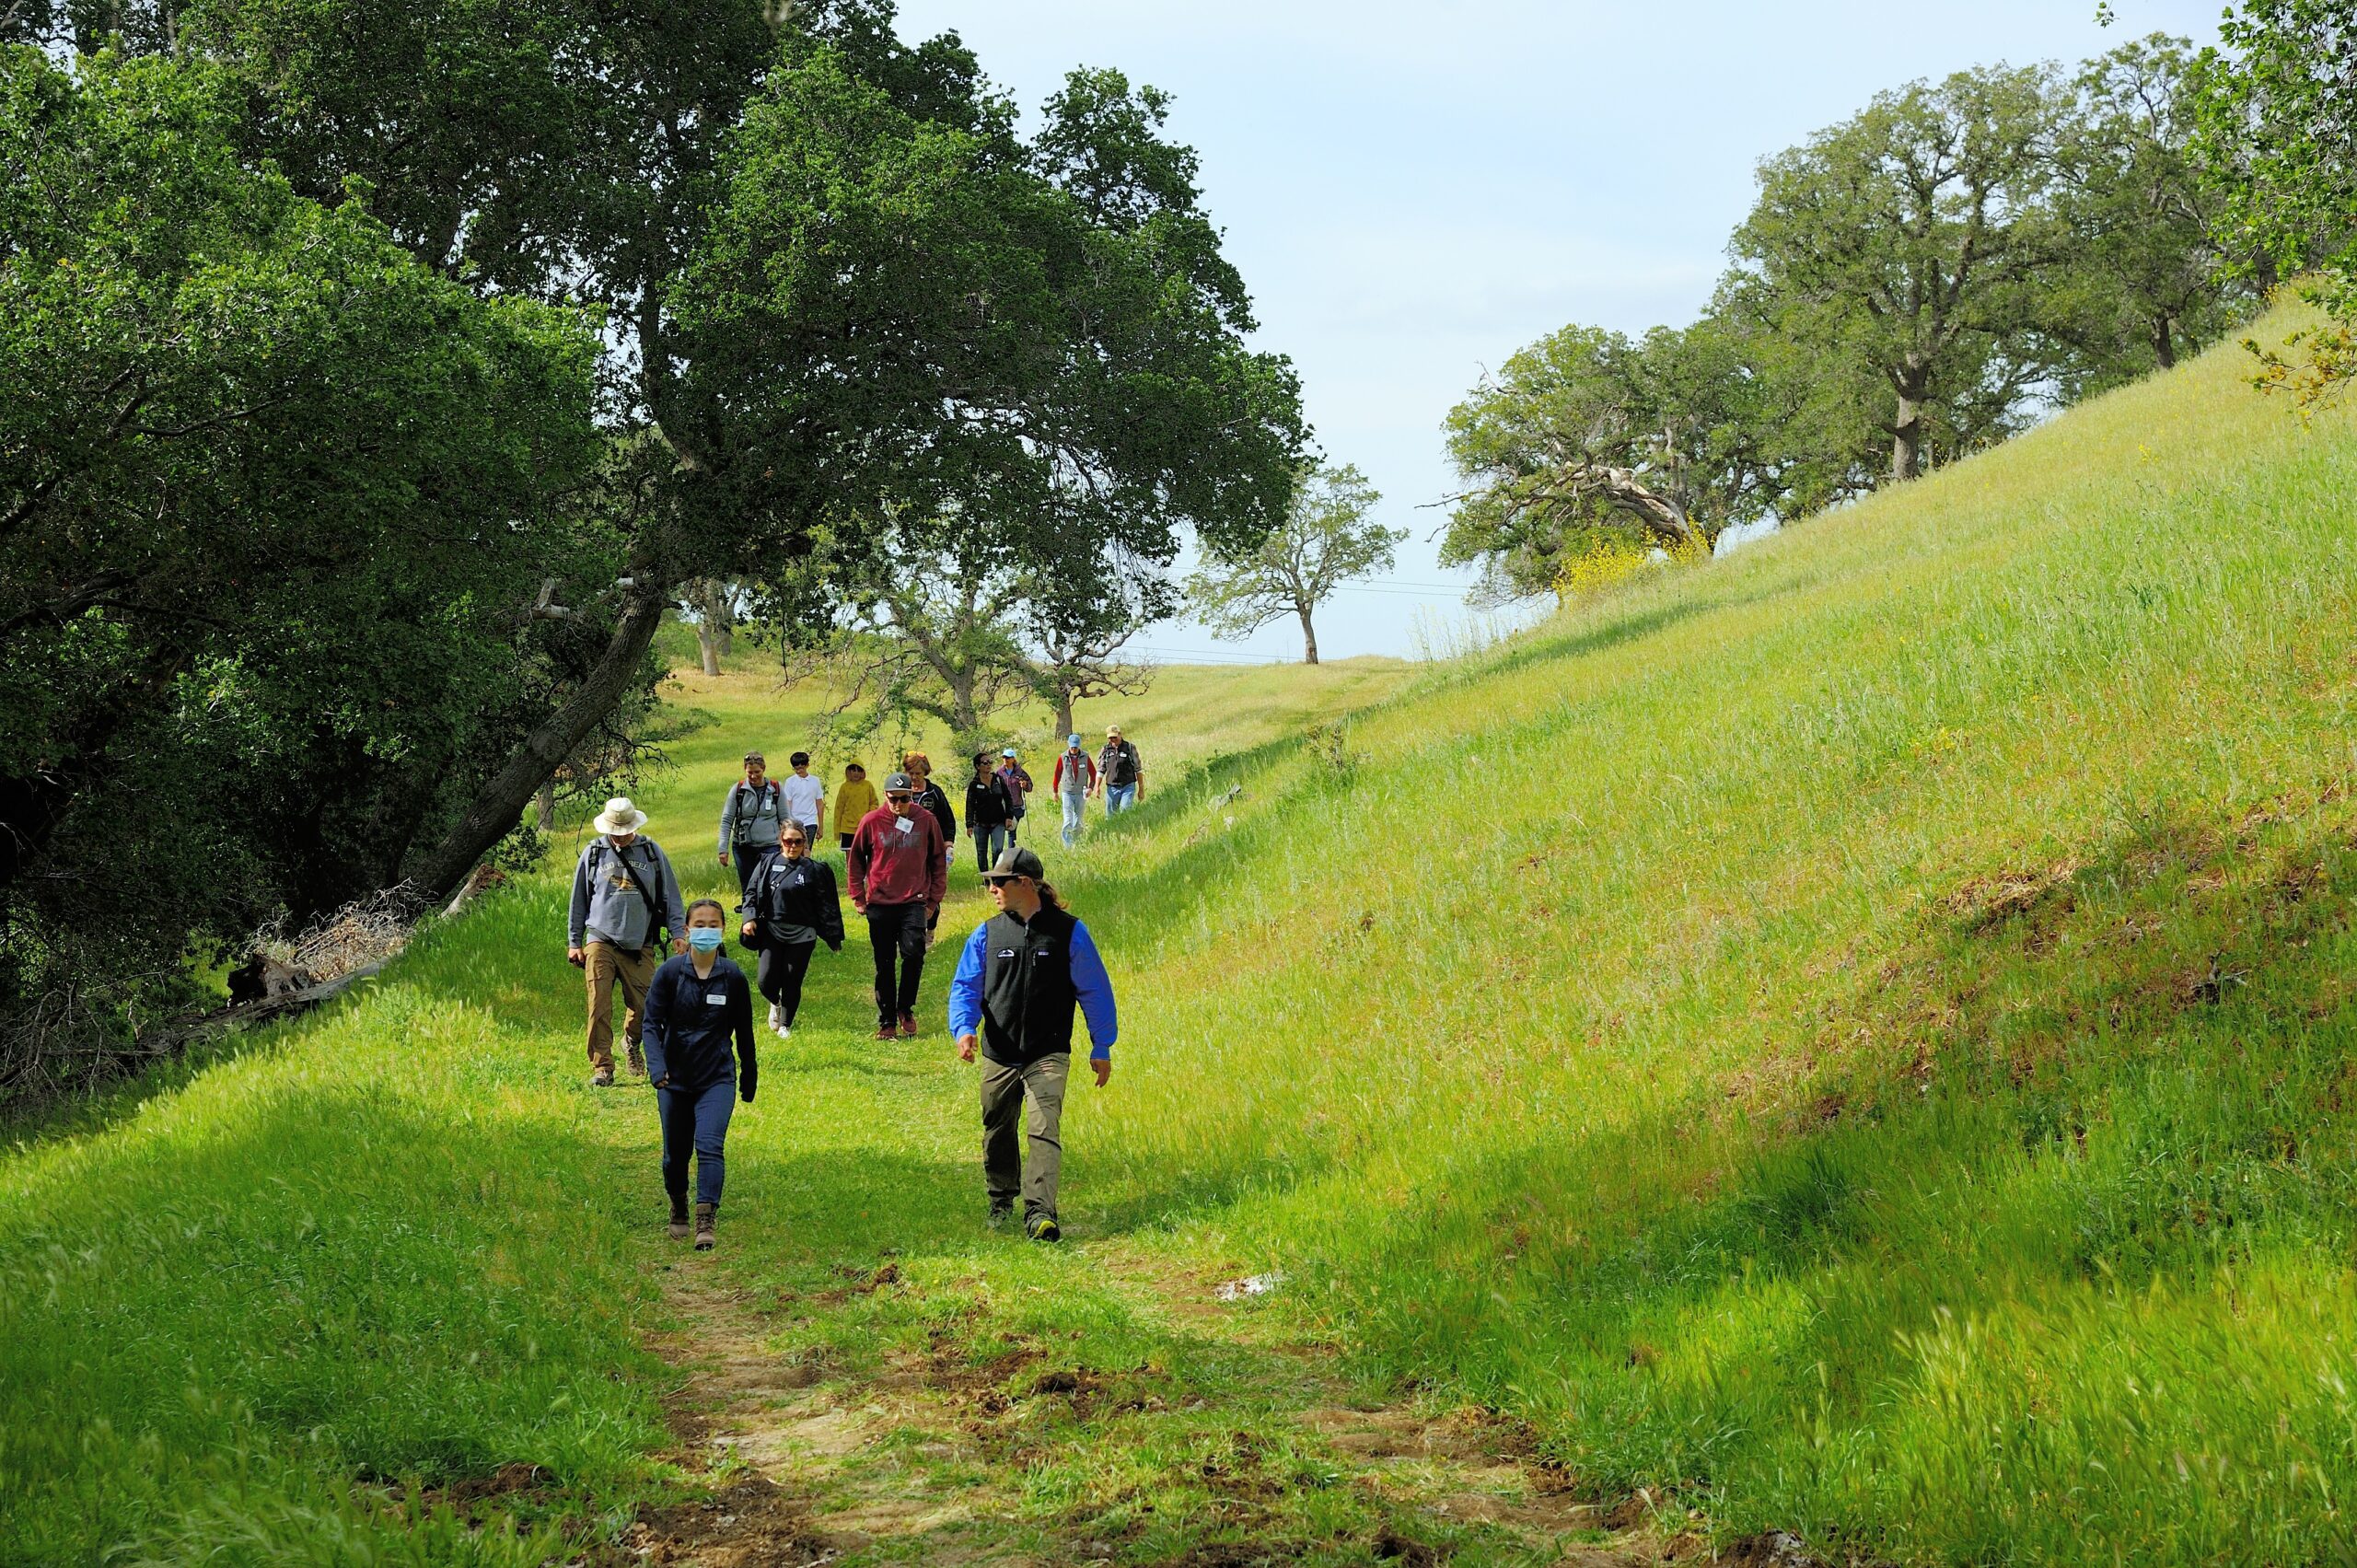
{"x": 2142, "y": 282}
{"x": 2278, "y": 133}
{"x": 1586, "y": 433}
{"x": 274, "y": 500}
{"x": 1328, "y": 538}
{"x": 1908, "y": 246}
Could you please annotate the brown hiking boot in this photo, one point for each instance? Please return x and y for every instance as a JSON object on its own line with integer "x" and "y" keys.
{"x": 603, "y": 1078}
{"x": 637, "y": 1061}
{"x": 886, "y": 1031}
{"x": 678, "y": 1229}
{"x": 705, "y": 1214}
{"x": 908, "y": 1025}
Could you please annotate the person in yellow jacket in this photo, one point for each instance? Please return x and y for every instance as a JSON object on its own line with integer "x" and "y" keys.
{"x": 854, "y": 800}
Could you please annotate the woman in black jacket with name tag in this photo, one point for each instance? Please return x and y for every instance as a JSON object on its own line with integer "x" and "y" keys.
{"x": 697, "y": 1009}
{"x": 790, "y": 907}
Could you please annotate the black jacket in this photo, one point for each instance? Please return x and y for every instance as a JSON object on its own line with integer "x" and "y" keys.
{"x": 987, "y": 805}
{"x": 795, "y": 892}
{"x": 933, "y": 800}
{"x": 689, "y": 1032}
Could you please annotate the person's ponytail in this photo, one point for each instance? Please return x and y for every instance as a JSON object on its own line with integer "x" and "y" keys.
{"x": 1050, "y": 898}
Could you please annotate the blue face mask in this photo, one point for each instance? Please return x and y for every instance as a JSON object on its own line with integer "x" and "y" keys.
{"x": 705, "y": 938}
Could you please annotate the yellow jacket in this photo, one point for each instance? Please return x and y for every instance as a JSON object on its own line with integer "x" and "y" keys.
{"x": 853, "y": 801}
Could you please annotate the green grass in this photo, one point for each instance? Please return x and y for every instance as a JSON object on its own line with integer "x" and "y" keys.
{"x": 1858, "y": 1036}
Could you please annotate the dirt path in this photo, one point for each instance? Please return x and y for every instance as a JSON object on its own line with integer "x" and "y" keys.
{"x": 970, "y": 1444}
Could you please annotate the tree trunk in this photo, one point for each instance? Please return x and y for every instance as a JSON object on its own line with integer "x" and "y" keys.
{"x": 707, "y": 645}
{"x": 1063, "y": 714}
{"x": 1309, "y": 635}
{"x": 1661, "y": 517}
{"x": 499, "y": 805}
{"x": 544, "y": 803}
{"x": 1907, "y": 428}
{"x": 2165, "y": 343}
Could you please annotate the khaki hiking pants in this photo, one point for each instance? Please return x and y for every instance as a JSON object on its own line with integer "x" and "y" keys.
{"x": 1005, "y": 1168}
{"x": 607, "y": 964}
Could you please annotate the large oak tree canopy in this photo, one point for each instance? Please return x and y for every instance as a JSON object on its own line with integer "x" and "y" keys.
{"x": 836, "y": 281}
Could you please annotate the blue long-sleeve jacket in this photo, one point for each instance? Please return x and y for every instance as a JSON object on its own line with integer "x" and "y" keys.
{"x": 1022, "y": 1013}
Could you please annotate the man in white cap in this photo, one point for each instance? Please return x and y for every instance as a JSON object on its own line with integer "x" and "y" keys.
{"x": 624, "y": 896}
{"x": 1120, "y": 772}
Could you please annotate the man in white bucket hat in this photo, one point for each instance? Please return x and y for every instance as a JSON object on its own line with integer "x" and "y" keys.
{"x": 624, "y": 894}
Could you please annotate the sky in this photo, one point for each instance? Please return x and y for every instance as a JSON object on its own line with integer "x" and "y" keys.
{"x": 1413, "y": 194}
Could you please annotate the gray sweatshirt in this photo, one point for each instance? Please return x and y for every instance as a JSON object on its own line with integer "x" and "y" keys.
{"x": 750, "y": 816}
{"x": 606, "y": 908}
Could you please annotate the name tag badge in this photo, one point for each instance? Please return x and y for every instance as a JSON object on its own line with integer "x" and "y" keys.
{"x": 716, "y": 998}
{"x": 905, "y": 824}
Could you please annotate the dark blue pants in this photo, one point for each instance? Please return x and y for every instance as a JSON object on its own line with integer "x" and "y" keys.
{"x": 696, "y": 1121}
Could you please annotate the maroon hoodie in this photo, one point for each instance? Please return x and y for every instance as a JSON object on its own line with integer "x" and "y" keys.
{"x": 889, "y": 866}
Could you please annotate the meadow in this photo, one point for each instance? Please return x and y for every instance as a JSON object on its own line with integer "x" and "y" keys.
{"x": 1853, "y": 1039}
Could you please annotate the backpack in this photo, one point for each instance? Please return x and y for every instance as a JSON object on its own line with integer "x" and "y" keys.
{"x": 631, "y": 875}
{"x": 771, "y": 791}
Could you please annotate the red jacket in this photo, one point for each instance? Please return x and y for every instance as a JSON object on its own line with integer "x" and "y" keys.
{"x": 889, "y": 866}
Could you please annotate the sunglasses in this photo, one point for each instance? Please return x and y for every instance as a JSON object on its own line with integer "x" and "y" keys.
{"x": 793, "y": 840}
{"x": 899, "y": 799}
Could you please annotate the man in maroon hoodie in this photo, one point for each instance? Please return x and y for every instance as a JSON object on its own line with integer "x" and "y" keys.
{"x": 900, "y": 873}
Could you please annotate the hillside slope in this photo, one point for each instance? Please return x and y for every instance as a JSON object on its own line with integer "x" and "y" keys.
{"x": 1855, "y": 1039}
{"x": 1850, "y": 1040}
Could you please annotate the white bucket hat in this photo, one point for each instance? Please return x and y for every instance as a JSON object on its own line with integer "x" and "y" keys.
{"x": 619, "y": 817}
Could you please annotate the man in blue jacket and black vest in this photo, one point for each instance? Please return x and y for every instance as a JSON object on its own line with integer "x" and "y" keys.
{"x": 1022, "y": 973}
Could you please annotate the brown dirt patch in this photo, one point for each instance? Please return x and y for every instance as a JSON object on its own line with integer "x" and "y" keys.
{"x": 751, "y": 1524}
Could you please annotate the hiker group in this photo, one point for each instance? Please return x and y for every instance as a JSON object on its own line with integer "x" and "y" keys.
{"x": 688, "y": 1015}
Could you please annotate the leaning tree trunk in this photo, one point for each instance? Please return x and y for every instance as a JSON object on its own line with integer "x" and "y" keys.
{"x": 499, "y": 804}
{"x": 1663, "y": 520}
{"x": 1309, "y": 635}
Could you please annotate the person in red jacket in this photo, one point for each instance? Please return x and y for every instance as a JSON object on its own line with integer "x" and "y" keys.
{"x": 899, "y": 862}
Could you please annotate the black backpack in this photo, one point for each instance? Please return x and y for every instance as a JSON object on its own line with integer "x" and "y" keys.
{"x": 771, "y": 791}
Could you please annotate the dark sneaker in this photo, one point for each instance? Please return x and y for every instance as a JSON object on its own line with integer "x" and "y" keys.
{"x": 603, "y": 1078}
{"x": 886, "y": 1031}
{"x": 908, "y": 1025}
{"x": 678, "y": 1226}
{"x": 1042, "y": 1228}
{"x": 706, "y": 1214}
{"x": 1000, "y": 1214}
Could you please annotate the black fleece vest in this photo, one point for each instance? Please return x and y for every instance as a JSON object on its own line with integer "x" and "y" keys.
{"x": 1028, "y": 994}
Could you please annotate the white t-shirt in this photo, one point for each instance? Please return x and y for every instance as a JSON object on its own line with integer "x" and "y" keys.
{"x": 804, "y": 797}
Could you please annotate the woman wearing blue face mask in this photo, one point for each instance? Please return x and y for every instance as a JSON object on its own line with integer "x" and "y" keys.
{"x": 697, "y": 1008}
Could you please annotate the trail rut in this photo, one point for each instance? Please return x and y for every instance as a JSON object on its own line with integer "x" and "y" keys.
{"x": 937, "y": 1458}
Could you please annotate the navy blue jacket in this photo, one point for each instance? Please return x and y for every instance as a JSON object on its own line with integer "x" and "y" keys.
{"x": 690, "y": 1022}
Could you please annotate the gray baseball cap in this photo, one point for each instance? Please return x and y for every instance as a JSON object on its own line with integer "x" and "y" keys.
{"x": 899, "y": 783}
{"x": 1016, "y": 862}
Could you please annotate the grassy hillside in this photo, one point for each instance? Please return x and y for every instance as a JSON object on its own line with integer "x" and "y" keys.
{"x": 1853, "y": 1040}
